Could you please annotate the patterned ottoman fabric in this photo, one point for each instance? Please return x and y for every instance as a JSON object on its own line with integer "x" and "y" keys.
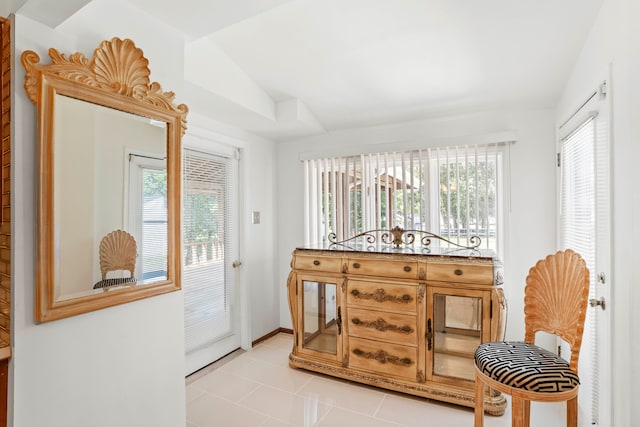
{"x": 525, "y": 366}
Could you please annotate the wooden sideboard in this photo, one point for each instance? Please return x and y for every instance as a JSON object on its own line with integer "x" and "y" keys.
{"x": 397, "y": 319}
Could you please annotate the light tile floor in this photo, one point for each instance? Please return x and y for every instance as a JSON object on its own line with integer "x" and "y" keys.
{"x": 258, "y": 388}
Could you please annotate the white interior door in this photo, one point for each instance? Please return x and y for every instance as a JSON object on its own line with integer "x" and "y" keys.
{"x": 210, "y": 245}
{"x": 585, "y": 226}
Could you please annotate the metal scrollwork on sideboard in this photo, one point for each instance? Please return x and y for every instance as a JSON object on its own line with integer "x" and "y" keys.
{"x": 398, "y": 236}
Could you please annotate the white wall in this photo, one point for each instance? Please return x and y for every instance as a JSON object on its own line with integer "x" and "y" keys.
{"x": 532, "y": 233}
{"x": 74, "y": 221}
{"x": 124, "y": 365}
{"x": 631, "y": 323}
{"x": 613, "y": 42}
{"x": 121, "y": 366}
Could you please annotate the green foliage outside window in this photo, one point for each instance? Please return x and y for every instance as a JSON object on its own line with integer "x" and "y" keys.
{"x": 201, "y": 225}
{"x": 464, "y": 195}
{"x": 155, "y": 183}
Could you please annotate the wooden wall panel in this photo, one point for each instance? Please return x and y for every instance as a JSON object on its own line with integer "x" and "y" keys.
{"x": 5, "y": 213}
{"x": 5, "y": 184}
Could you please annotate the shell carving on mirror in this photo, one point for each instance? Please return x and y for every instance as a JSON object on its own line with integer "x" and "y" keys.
{"x": 117, "y": 66}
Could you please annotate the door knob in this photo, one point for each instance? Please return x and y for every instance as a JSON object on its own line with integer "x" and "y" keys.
{"x": 236, "y": 264}
{"x": 593, "y": 302}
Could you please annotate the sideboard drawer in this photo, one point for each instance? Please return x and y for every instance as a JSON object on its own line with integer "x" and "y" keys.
{"x": 390, "y": 359}
{"x": 317, "y": 263}
{"x": 382, "y": 296}
{"x": 464, "y": 273}
{"x": 383, "y": 326}
{"x": 399, "y": 269}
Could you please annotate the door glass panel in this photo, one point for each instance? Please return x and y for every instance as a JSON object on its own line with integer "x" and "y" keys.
{"x": 319, "y": 317}
{"x": 209, "y": 235}
{"x": 457, "y": 334}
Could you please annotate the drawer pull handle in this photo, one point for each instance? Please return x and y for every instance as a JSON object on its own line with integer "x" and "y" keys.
{"x": 382, "y": 326}
{"x": 407, "y": 268}
{"x": 457, "y": 272}
{"x": 316, "y": 262}
{"x": 383, "y": 357}
{"x": 379, "y": 295}
{"x": 356, "y": 265}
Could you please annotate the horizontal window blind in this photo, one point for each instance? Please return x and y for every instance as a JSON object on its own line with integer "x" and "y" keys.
{"x": 154, "y": 225}
{"x": 579, "y": 197}
{"x": 454, "y": 192}
{"x": 208, "y": 221}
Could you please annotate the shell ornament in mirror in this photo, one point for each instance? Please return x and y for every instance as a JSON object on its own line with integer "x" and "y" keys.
{"x": 118, "y": 252}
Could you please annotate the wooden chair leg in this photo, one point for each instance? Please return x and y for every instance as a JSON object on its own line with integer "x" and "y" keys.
{"x": 572, "y": 412}
{"x": 478, "y": 411}
{"x": 527, "y": 412}
{"x": 517, "y": 412}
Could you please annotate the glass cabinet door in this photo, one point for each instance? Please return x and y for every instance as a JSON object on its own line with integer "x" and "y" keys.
{"x": 320, "y": 317}
{"x": 458, "y": 322}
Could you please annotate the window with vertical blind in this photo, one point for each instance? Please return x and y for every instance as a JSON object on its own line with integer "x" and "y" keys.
{"x": 455, "y": 192}
{"x": 207, "y": 223}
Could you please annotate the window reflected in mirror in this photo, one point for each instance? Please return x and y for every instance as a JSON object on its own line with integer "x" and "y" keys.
{"x": 147, "y": 212}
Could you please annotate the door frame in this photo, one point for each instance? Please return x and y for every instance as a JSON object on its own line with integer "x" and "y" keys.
{"x": 603, "y": 105}
{"x": 199, "y": 139}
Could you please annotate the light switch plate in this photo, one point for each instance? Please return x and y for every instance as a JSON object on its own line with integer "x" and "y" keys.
{"x": 255, "y": 219}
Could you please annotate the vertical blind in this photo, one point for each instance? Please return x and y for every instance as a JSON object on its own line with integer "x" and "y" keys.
{"x": 208, "y": 221}
{"x": 455, "y": 192}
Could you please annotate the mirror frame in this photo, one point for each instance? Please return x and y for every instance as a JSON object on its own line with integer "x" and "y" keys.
{"x": 116, "y": 77}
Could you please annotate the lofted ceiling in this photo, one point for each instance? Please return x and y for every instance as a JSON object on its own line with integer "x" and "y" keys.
{"x": 289, "y": 68}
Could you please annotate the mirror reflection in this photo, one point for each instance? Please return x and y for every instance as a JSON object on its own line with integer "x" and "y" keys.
{"x": 110, "y": 198}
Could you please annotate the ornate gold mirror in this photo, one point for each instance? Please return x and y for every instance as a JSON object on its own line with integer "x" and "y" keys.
{"x": 109, "y": 166}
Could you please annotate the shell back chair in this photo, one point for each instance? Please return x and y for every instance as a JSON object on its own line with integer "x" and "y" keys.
{"x": 555, "y": 301}
{"x": 118, "y": 251}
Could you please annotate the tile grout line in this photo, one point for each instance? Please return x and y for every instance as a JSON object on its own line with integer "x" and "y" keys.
{"x": 375, "y": 413}
{"x": 308, "y": 380}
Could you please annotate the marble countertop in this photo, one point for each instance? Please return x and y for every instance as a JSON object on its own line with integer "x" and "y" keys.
{"x": 403, "y": 250}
